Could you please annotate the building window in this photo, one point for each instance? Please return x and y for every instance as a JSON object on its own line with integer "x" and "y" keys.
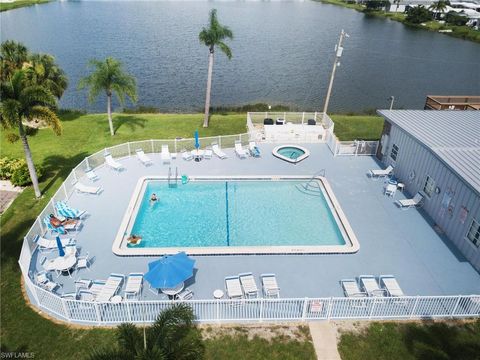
{"x": 429, "y": 187}
{"x": 394, "y": 152}
{"x": 474, "y": 233}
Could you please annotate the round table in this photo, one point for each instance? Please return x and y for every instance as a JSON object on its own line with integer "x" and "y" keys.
{"x": 218, "y": 294}
{"x": 173, "y": 291}
{"x": 63, "y": 263}
{"x": 116, "y": 299}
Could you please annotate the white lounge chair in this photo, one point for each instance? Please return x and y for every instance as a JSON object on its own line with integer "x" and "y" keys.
{"x": 68, "y": 212}
{"x": 91, "y": 175}
{"x": 239, "y": 150}
{"x": 134, "y": 285}
{"x": 249, "y": 286}
{"x": 376, "y": 173}
{"x": 144, "y": 159}
{"x": 233, "y": 287}
{"x": 83, "y": 284}
{"x": 69, "y": 296}
{"x": 186, "y": 294}
{"x": 270, "y": 286}
{"x": 97, "y": 286}
{"x": 112, "y": 163}
{"x": 370, "y": 286}
{"x": 351, "y": 289}
{"x": 86, "y": 295}
{"x": 186, "y": 155}
{"x": 48, "y": 244}
{"x": 253, "y": 149}
{"x": 82, "y": 188}
{"x": 410, "y": 203}
{"x": 208, "y": 153}
{"x": 83, "y": 262}
{"x": 390, "y": 284}
{"x": 217, "y": 151}
{"x": 110, "y": 288}
{"x": 165, "y": 155}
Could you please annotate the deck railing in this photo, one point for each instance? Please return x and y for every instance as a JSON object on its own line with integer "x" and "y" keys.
{"x": 222, "y": 310}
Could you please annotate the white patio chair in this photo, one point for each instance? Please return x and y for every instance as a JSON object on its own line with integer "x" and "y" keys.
{"x": 165, "y": 155}
{"x": 144, "y": 159}
{"x": 186, "y": 155}
{"x": 253, "y": 149}
{"x": 249, "y": 285}
{"x": 186, "y": 294}
{"x": 410, "y": 203}
{"x": 208, "y": 153}
{"x": 217, "y": 151}
{"x": 390, "y": 284}
{"x": 233, "y": 287}
{"x": 133, "y": 288}
{"x": 370, "y": 286}
{"x": 239, "y": 150}
{"x": 380, "y": 173}
{"x": 112, "y": 163}
{"x": 83, "y": 262}
{"x": 91, "y": 175}
{"x": 270, "y": 286}
{"x": 84, "y": 189}
{"x": 351, "y": 288}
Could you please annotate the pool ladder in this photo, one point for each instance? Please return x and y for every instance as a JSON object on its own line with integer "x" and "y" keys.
{"x": 312, "y": 187}
{"x": 172, "y": 182}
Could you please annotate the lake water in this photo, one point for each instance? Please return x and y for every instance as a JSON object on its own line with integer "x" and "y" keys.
{"x": 282, "y": 53}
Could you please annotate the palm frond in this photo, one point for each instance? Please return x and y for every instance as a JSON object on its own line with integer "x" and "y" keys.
{"x": 48, "y": 116}
{"x": 129, "y": 338}
{"x": 225, "y": 49}
{"x": 9, "y": 113}
{"x": 109, "y": 354}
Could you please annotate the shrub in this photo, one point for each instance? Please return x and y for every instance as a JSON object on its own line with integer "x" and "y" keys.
{"x": 455, "y": 19}
{"x": 16, "y": 170}
{"x": 418, "y": 15}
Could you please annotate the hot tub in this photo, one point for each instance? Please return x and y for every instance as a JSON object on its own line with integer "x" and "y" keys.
{"x": 291, "y": 153}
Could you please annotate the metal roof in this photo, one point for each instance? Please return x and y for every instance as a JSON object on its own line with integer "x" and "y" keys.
{"x": 453, "y": 136}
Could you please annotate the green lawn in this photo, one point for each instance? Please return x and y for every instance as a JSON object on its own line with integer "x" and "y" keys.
{"x": 21, "y": 3}
{"x": 410, "y": 341}
{"x": 360, "y": 127}
{"x": 21, "y": 327}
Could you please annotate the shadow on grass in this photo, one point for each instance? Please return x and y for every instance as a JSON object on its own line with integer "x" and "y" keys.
{"x": 132, "y": 122}
{"x": 58, "y": 166}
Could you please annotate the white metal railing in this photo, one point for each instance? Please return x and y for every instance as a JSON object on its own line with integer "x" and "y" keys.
{"x": 350, "y": 148}
{"x": 261, "y": 309}
{"x": 223, "y": 310}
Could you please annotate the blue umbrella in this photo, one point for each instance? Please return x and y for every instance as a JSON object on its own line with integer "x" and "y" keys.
{"x": 61, "y": 252}
{"x": 170, "y": 270}
{"x": 197, "y": 143}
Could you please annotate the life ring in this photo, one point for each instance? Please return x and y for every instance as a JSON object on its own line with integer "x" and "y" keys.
{"x": 411, "y": 176}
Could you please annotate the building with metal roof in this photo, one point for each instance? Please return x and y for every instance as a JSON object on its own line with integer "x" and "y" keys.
{"x": 437, "y": 153}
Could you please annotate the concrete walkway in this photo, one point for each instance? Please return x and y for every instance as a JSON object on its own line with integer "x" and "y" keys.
{"x": 324, "y": 340}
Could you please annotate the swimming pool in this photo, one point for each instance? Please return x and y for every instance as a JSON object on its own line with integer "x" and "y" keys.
{"x": 228, "y": 215}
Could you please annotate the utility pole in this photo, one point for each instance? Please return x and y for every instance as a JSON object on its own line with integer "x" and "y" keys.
{"x": 392, "y": 99}
{"x": 338, "y": 55}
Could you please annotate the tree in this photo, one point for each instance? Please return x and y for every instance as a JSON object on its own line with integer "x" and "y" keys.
{"x": 455, "y": 19}
{"x": 438, "y": 7}
{"x": 22, "y": 101}
{"x": 13, "y": 56}
{"x": 42, "y": 70}
{"x": 373, "y": 5}
{"x": 109, "y": 76}
{"x": 213, "y": 36}
{"x": 172, "y": 336}
{"x": 418, "y": 14}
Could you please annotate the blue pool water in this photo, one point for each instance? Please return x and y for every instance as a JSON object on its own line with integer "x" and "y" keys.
{"x": 291, "y": 152}
{"x": 234, "y": 213}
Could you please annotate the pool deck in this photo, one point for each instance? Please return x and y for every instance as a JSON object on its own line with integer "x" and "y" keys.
{"x": 392, "y": 241}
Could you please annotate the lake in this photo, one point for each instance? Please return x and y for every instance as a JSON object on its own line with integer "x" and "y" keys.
{"x": 282, "y": 53}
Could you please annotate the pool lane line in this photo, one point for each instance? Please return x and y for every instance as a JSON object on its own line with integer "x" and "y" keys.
{"x": 226, "y": 212}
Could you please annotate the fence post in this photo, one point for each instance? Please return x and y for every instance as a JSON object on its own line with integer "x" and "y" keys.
{"x": 456, "y": 305}
{"x": 330, "y": 305}
{"x": 374, "y": 301}
{"x": 129, "y": 151}
{"x": 315, "y": 116}
{"x": 303, "y": 117}
{"x": 261, "y": 309}
{"x": 65, "y": 190}
{"x": 128, "y": 311}
{"x": 304, "y": 311}
{"x": 97, "y": 311}
{"x": 218, "y": 310}
{"x": 74, "y": 175}
{"x": 220, "y": 141}
{"x": 153, "y": 148}
{"x": 414, "y": 307}
{"x": 87, "y": 162}
{"x": 65, "y": 309}
{"x": 175, "y": 144}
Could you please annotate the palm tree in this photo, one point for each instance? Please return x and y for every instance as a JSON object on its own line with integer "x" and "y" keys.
{"x": 211, "y": 37}
{"x": 438, "y": 7}
{"x": 13, "y": 56}
{"x": 42, "y": 70}
{"x": 22, "y": 101}
{"x": 110, "y": 77}
{"x": 172, "y": 336}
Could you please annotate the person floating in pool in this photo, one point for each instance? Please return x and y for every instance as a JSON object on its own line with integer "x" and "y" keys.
{"x": 134, "y": 239}
{"x": 153, "y": 199}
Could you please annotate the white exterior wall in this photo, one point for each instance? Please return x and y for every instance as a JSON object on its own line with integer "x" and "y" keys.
{"x": 413, "y": 156}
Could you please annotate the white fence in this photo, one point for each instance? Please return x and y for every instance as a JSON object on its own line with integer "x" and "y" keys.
{"x": 351, "y": 148}
{"x": 262, "y": 309}
{"x": 223, "y": 310}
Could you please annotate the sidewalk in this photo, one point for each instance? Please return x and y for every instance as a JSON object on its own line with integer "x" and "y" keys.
{"x": 324, "y": 340}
